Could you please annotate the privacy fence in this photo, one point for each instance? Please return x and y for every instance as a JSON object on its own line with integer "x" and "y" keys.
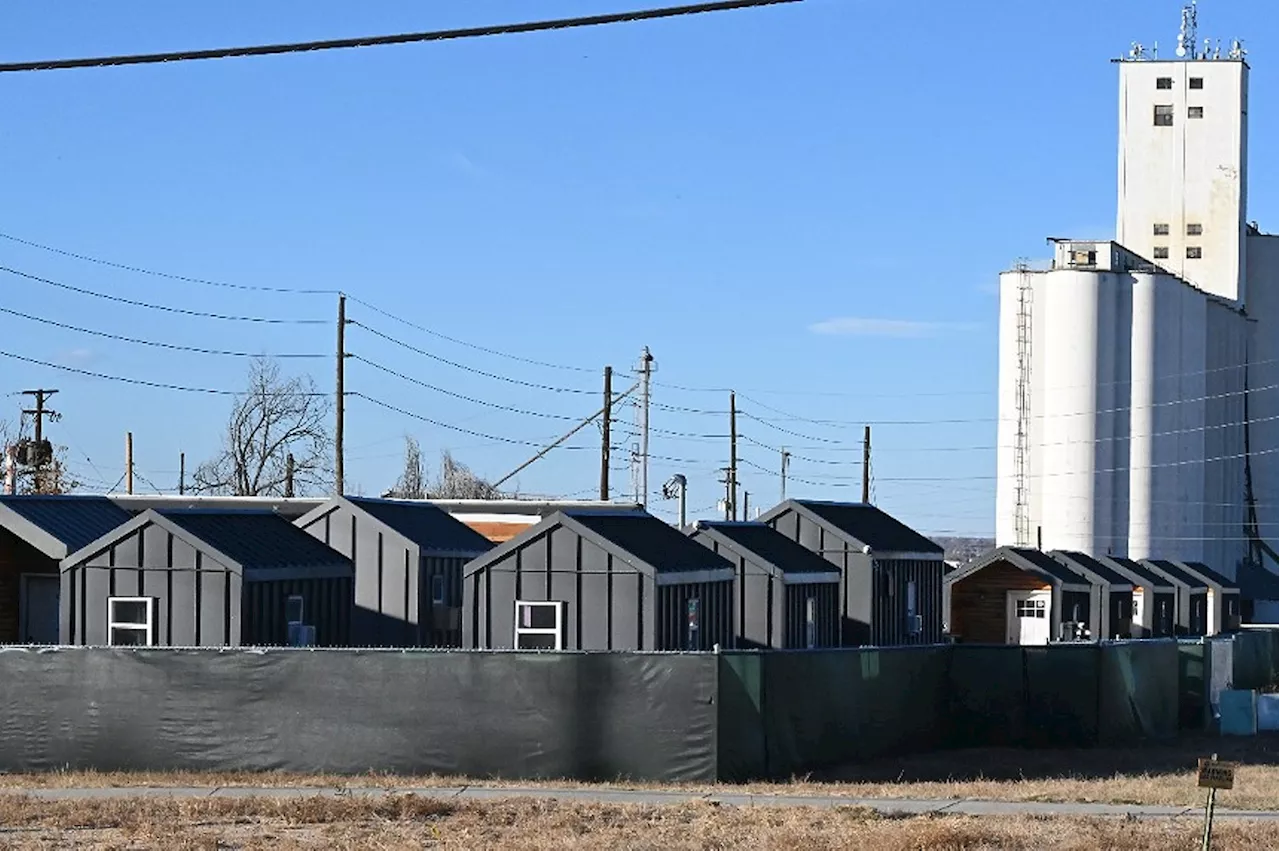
{"x": 593, "y": 716}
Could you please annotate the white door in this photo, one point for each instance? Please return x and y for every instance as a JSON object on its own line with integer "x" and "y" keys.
{"x": 1028, "y": 617}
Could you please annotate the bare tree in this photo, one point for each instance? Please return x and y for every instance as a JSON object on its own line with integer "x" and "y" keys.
{"x": 54, "y": 477}
{"x": 456, "y": 481}
{"x": 412, "y": 483}
{"x": 275, "y": 418}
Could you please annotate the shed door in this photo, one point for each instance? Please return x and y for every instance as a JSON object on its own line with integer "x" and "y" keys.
{"x": 1028, "y": 617}
{"x": 38, "y": 609}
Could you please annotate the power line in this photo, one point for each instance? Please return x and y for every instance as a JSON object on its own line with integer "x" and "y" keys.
{"x": 155, "y": 343}
{"x": 496, "y": 438}
{"x": 164, "y": 307}
{"x": 496, "y": 376}
{"x": 380, "y": 40}
{"x": 141, "y": 271}
{"x": 461, "y": 396}
{"x": 468, "y": 345}
{"x": 139, "y": 381}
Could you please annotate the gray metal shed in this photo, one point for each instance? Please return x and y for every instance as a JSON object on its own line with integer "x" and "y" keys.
{"x": 36, "y": 533}
{"x": 1223, "y": 603}
{"x": 1155, "y": 598}
{"x": 408, "y": 557}
{"x": 1193, "y": 596}
{"x": 785, "y": 597}
{"x": 891, "y": 575}
{"x": 598, "y": 580}
{"x": 206, "y": 579}
{"x": 1110, "y": 597}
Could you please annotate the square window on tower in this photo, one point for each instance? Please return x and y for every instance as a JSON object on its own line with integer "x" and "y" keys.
{"x": 1194, "y": 230}
{"x": 1195, "y": 112}
{"x": 1164, "y": 82}
{"x": 1160, "y": 229}
{"x": 1164, "y": 115}
{"x": 1193, "y": 252}
{"x": 1161, "y": 252}
{"x": 1197, "y": 83}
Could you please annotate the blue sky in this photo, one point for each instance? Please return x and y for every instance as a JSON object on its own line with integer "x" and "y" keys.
{"x": 809, "y": 204}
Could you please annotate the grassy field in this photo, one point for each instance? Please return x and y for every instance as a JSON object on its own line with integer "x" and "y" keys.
{"x": 1158, "y": 774}
{"x": 407, "y": 821}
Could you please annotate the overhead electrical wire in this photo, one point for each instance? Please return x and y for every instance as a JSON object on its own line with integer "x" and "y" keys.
{"x": 381, "y": 40}
{"x": 155, "y": 343}
{"x": 164, "y": 307}
{"x": 459, "y": 429}
{"x": 142, "y": 271}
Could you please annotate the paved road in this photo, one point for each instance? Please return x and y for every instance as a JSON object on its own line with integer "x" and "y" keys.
{"x": 888, "y": 806}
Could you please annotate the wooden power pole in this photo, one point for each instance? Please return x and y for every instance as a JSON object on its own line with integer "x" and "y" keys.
{"x": 128, "y": 462}
{"x": 39, "y": 412}
{"x": 605, "y": 437}
{"x": 733, "y": 456}
{"x": 340, "y": 396}
{"x": 182, "y": 473}
{"x": 866, "y": 465}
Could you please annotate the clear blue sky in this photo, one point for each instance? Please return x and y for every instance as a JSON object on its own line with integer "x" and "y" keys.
{"x": 712, "y": 187}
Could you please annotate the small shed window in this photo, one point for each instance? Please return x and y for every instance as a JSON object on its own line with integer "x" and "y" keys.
{"x": 1161, "y": 252}
{"x": 1160, "y": 229}
{"x": 539, "y": 625}
{"x": 695, "y": 615}
{"x": 1196, "y": 83}
{"x": 1194, "y": 229}
{"x": 294, "y": 609}
{"x": 1164, "y": 82}
{"x": 1029, "y": 608}
{"x": 1164, "y": 115}
{"x": 131, "y": 621}
{"x": 1195, "y": 112}
{"x": 810, "y": 623}
{"x": 437, "y": 589}
{"x": 914, "y": 624}
{"x": 1193, "y": 252}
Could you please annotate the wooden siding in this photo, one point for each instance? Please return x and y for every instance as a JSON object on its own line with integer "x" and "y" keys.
{"x": 979, "y": 602}
{"x": 16, "y": 558}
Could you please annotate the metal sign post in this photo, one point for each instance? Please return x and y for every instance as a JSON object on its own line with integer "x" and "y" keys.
{"x": 1213, "y": 775}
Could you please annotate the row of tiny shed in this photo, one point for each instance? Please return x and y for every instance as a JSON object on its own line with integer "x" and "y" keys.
{"x": 352, "y": 571}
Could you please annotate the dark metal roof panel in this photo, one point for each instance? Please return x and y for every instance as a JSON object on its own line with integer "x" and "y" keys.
{"x": 1047, "y": 564}
{"x": 426, "y": 525}
{"x": 650, "y": 540}
{"x": 1150, "y": 579}
{"x": 773, "y": 547}
{"x": 1173, "y": 570}
{"x": 257, "y": 540}
{"x": 1206, "y": 572}
{"x": 74, "y": 520}
{"x": 871, "y": 526}
{"x": 1092, "y": 565}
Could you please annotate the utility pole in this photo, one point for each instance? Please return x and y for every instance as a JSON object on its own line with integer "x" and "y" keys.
{"x": 182, "y": 473}
{"x": 727, "y": 481}
{"x": 646, "y": 373}
{"x": 39, "y": 412}
{"x": 733, "y": 456}
{"x": 340, "y": 396}
{"x": 288, "y": 476}
{"x": 866, "y": 465}
{"x": 746, "y": 505}
{"x": 128, "y": 462}
{"x": 605, "y": 437}
{"x": 786, "y": 464}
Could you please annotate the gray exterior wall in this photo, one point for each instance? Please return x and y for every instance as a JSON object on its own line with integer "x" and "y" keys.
{"x": 873, "y": 591}
{"x": 1159, "y": 614}
{"x": 326, "y": 605}
{"x": 609, "y": 605}
{"x": 198, "y": 598}
{"x": 387, "y": 593}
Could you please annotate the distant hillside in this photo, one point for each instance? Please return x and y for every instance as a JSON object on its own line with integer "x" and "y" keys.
{"x": 963, "y": 550}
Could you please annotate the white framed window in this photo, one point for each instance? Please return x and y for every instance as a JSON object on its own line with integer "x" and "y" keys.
{"x": 131, "y": 621}
{"x": 539, "y": 625}
{"x": 695, "y": 616}
{"x": 915, "y": 624}
{"x": 437, "y": 589}
{"x": 294, "y": 609}
{"x": 1033, "y": 608}
{"x": 810, "y": 623}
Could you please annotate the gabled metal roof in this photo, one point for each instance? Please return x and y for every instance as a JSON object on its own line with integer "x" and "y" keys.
{"x": 1024, "y": 559}
{"x": 1176, "y": 573}
{"x": 1140, "y": 574}
{"x": 768, "y": 546}
{"x": 862, "y": 524}
{"x": 57, "y": 525}
{"x": 1093, "y": 569}
{"x": 1212, "y": 578}
{"x": 421, "y": 522}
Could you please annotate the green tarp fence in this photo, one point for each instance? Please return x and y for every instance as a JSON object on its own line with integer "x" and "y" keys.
{"x": 988, "y": 705}
{"x": 1193, "y": 686}
{"x": 1138, "y": 692}
{"x": 1062, "y": 695}
{"x": 1255, "y": 656}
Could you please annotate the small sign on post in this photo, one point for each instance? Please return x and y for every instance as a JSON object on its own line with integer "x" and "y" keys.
{"x": 1213, "y": 775}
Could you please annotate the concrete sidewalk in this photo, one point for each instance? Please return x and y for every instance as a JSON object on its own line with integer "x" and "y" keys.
{"x": 886, "y": 806}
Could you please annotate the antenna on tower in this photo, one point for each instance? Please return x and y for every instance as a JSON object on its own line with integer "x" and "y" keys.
{"x": 1187, "y": 32}
{"x": 1237, "y": 49}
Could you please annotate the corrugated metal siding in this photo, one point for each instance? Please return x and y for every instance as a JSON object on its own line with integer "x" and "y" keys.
{"x": 326, "y": 605}
{"x": 715, "y": 616}
{"x": 889, "y": 611}
{"x": 1075, "y": 608}
{"x": 795, "y": 615}
{"x": 440, "y": 624}
{"x": 1121, "y": 625}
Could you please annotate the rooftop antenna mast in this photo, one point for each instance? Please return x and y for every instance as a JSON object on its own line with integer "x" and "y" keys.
{"x": 1187, "y": 32}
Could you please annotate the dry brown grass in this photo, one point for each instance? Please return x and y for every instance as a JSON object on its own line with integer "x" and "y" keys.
{"x": 408, "y": 821}
{"x": 1161, "y": 774}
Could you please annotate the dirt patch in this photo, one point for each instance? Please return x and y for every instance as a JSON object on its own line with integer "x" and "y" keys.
{"x": 410, "y": 821}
